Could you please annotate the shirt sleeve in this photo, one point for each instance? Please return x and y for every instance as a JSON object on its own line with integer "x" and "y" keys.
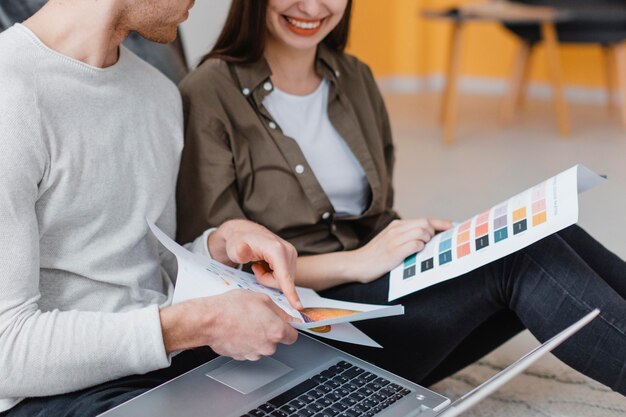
{"x": 207, "y": 193}
{"x": 50, "y": 352}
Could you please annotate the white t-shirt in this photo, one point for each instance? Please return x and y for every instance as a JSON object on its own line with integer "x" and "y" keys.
{"x": 305, "y": 119}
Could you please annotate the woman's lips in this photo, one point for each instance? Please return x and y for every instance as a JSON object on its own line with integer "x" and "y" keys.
{"x": 303, "y": 27}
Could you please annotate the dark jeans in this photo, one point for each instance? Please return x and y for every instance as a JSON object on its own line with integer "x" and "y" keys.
{"x": 544, "y": 288}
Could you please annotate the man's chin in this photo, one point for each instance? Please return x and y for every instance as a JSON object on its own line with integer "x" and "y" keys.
{"x": 161, "y": 36}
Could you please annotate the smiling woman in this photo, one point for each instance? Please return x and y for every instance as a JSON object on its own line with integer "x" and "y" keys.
{"x": 287, "y": 130}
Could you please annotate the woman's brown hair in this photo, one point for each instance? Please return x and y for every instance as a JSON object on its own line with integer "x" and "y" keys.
{"x": 242, "y": 39}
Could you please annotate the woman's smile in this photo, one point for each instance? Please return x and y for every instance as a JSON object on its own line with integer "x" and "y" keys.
{"x": 303, "y": 27}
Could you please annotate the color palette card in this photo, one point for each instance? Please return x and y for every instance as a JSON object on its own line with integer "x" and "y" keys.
{"x": 503, "y": 229}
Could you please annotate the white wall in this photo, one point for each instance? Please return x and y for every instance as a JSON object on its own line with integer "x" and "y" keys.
{"x": 201, "y": 30}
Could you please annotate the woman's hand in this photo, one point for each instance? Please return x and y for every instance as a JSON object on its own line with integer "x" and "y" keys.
{"x": 386, "y": 251}
{"x": 389, "y": 248}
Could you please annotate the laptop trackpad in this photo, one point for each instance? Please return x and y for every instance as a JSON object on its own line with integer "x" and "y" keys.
{"x": 248, "y": 376}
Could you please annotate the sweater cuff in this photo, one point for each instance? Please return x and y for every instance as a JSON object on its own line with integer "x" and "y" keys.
{"x": 151, "y": 353}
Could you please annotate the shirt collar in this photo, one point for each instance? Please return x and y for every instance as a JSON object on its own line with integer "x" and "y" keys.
{"x": 254, "y": 78}
{"x": 326, "y": 63}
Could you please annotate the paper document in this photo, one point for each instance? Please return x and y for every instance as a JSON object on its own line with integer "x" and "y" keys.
{"x": 503, "y": 229}
{"x": 199, "y": 276}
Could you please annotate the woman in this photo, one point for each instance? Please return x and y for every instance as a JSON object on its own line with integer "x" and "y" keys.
{"x": 300, "y": 137}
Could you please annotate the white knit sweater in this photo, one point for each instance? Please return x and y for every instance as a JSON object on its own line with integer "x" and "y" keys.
{"x": 86, "y": 155}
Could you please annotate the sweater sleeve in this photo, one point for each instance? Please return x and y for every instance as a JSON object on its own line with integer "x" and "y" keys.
{"x": 50, "y": 352}
{"x": 167, "y": 223}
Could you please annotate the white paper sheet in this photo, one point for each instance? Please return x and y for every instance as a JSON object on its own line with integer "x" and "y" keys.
{"x": 199, "y": 276}
{"x": 503, "y": 229}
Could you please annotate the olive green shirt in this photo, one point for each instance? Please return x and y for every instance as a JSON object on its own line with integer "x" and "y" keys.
{"x": 237, "y": 163}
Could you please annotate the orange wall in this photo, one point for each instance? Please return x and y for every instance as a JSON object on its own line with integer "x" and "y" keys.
{"x": 393, "y": 39}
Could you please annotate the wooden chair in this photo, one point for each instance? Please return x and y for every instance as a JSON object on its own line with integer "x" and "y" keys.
{"x": 499, "y": 12}
{"x": 601, "y": 22}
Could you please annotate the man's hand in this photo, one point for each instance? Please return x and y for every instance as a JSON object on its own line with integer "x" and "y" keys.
{"x": 242, "y": 241}
{"x": 240, "y": 324}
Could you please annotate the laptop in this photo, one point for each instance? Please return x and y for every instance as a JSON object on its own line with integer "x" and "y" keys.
{"x": 312, "y": 379}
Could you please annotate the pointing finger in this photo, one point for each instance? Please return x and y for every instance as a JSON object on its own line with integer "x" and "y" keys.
{"x": 278, "y": 278}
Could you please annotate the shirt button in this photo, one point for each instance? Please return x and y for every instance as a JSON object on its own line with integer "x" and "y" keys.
{"x": 337, "y": 73}
{"x": 272, "y": 125}
{"x": 246, "y": 91}
{"x": 333, "y": 227}
{"x": 268, "y": 86}
{"x": 326, "y": 215}
{"x": 299, "y": 168}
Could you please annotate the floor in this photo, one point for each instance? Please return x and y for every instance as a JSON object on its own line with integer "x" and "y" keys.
{"x": 489, "y": 163}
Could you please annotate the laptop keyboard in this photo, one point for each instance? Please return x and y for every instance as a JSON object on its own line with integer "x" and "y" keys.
{"x": 342, "y": 390}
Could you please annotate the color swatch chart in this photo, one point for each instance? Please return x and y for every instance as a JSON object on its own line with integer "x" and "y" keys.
{"x": 503, "y": 229}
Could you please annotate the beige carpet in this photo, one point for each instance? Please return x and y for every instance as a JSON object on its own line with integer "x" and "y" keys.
{"x": 547, "y": 389}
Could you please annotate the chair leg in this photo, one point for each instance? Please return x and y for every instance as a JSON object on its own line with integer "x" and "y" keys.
{"x": 443, "y": 108}
{"x": 450, "y": 99}
{"x": 620, "y": 55}
{"x": 611, "y": 84}
{"x": 517, "y": 82}
{"x": 521, "y": 100}
{"x": 554, "y": 67}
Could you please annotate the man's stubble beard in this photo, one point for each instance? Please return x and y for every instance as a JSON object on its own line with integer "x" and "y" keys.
{"x": 152, "y": 25}
{"x": 162, "y": 36}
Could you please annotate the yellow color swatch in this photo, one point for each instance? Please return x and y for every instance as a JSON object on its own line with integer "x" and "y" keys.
{"x": 463, "y": 237}
{"x": 519, "y": 214}
{"x": 539, "y": 218}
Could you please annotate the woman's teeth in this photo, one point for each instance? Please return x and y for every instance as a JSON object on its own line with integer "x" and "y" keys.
{"x": 303, "y": 25}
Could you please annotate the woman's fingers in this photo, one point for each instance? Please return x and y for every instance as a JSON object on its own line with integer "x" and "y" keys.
{"x": 431, "y": 226}
{"x": 416, "y": 233}
{"x": 415, "y": 230}
{"x": 440, "y": 224}
{"x": 402, "y": 226}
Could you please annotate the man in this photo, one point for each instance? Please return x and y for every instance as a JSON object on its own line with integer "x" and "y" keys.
{"x": 167, "y": 58}
{"x": 90, "y": 141}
